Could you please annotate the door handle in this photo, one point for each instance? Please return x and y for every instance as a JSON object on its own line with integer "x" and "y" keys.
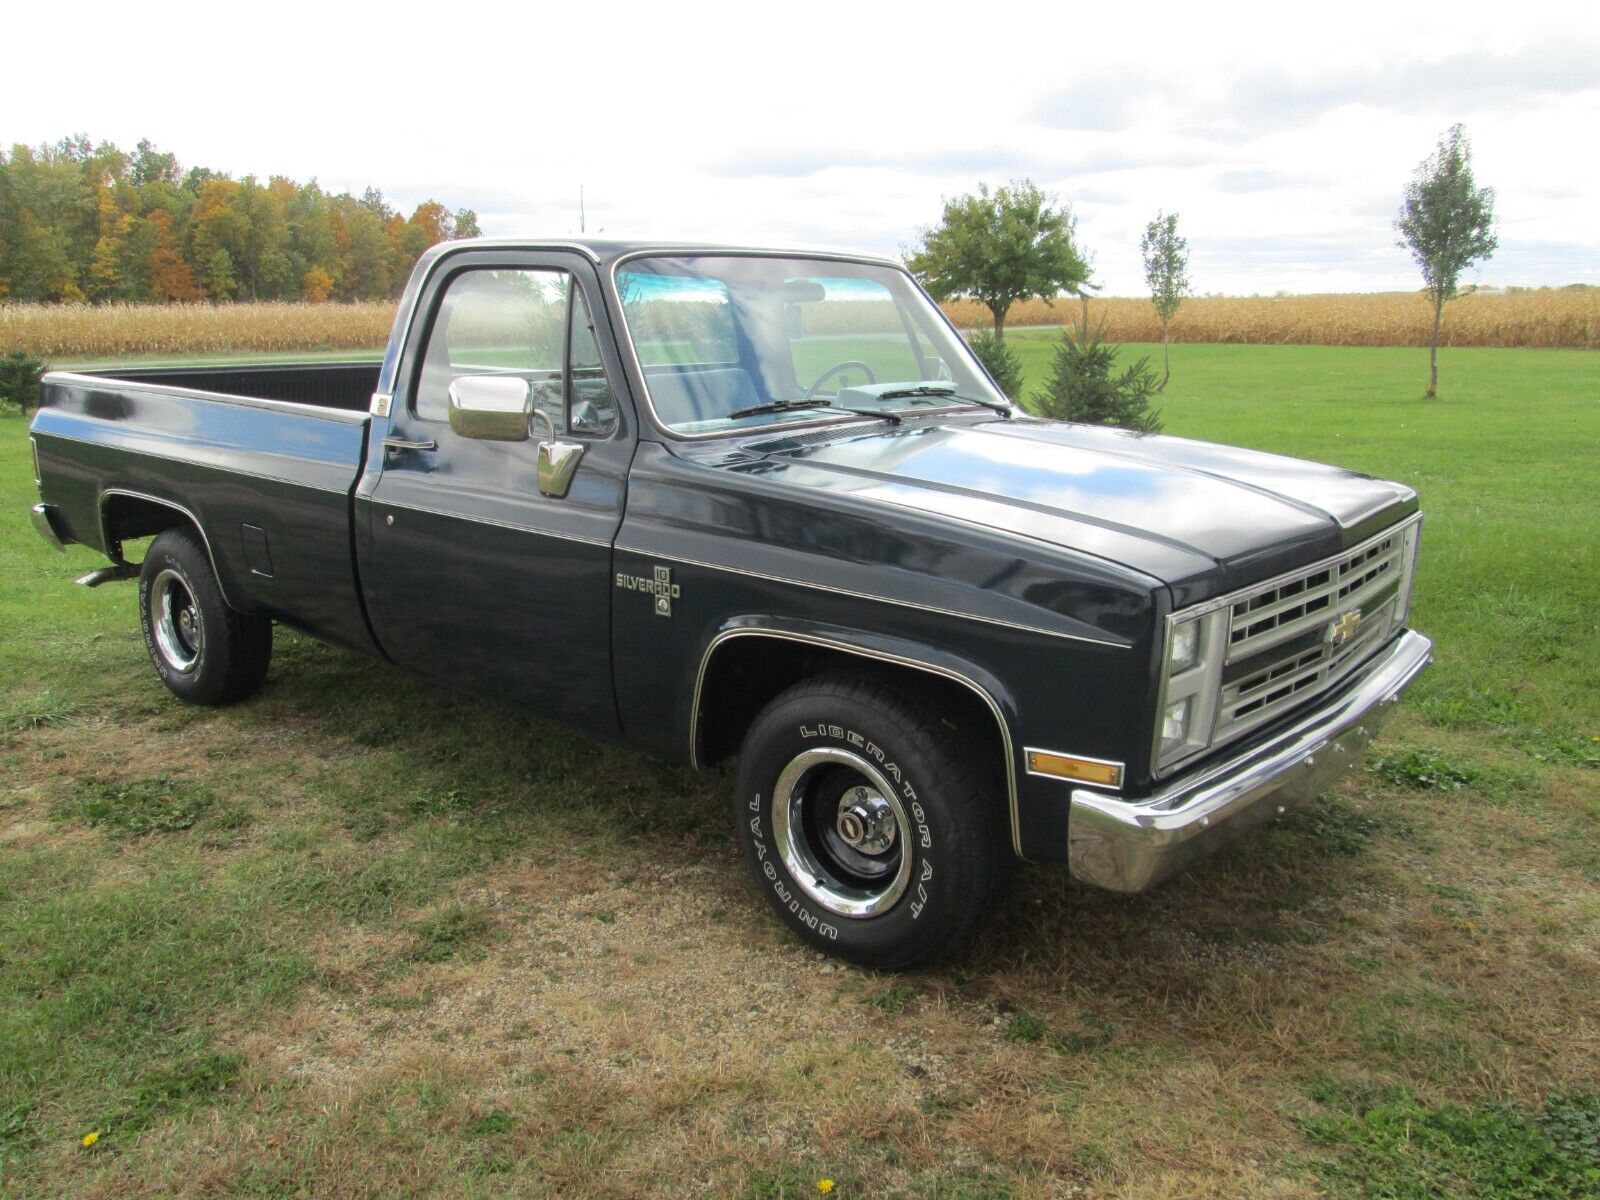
{"x": 394, "y": 443}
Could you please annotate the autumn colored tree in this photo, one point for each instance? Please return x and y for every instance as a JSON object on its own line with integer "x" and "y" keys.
{"x": 80, "y": 220}
{"x": 316, "y": 284}
{"x": 171, "y": 277}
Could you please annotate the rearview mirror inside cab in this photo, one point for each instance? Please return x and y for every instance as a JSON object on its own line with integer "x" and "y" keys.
{"x": 493, "y": 408}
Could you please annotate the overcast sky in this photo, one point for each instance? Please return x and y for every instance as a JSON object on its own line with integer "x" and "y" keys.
{"x": 1282, "y": 135}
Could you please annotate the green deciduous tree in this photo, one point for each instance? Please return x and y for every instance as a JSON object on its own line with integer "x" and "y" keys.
{"x": 998, "y": 247}
{"x": 1083, "y": 384}
{"x": 1447, "y": 222}
{"x": 1166, "y": 270}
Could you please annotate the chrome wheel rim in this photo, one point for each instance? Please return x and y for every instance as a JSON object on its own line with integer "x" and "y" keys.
{"x": 175, "y": 617}
{"x": 841, "y": 830}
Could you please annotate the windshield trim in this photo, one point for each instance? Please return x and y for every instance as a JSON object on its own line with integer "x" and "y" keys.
{"x": 823, "y": 418}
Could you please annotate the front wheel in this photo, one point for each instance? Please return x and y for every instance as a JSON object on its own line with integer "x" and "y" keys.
{"x": 870, "y": 831}
{"x": 204, "y": 651}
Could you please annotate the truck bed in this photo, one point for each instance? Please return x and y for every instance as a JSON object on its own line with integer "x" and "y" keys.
{"x": 347, "y": 386}
{"x": 264, "y": 459}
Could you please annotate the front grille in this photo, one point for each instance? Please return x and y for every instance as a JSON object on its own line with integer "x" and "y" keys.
{"x": 1300, "y": 635}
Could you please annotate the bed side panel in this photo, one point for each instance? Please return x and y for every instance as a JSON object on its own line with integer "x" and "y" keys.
{"x": 250, "y": 471}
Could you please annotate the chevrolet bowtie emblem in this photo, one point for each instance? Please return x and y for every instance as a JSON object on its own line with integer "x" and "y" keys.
{"x": 1342, "y": 630}
{"x": 659, "y": 585}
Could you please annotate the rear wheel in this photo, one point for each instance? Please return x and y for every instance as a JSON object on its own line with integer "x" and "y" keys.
{"x": 871, "y": 832}
{"x": 204, "y": 651}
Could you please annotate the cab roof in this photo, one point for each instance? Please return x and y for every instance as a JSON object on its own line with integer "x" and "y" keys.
{"x": 605, "y": 251}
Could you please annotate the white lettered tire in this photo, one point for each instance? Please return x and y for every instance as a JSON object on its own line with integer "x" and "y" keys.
{"x": 204, "y": 651}
{"x": 867, "y": 825}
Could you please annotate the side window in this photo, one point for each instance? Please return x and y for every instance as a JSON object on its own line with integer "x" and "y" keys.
{"x": 517, "y": 321}
{"x": 593, "y": 409}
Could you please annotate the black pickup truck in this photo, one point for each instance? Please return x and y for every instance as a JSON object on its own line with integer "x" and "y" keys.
{"x": 742, "y": 503}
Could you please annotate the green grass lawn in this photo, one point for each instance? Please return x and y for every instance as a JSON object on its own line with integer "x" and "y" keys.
{"x": 359, "y": 937}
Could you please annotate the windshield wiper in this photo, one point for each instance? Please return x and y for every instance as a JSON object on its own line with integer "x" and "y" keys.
{"x": 783, "y": 406}
{"x": 923, "y": 389}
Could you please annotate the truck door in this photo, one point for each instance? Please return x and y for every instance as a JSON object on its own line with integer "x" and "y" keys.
{"x": 471, "y": 574}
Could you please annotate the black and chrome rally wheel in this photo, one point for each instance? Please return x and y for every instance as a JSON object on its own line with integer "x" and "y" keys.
{"x": 204, "y": 651}
{"x": 868, "y": 828}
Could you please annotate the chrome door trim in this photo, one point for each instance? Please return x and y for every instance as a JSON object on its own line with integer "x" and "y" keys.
{"x": 105, "y": 534}
{"x": 401, "y": 340}
{"x": 839, "y": 591}
{"x": 972, "y": 685}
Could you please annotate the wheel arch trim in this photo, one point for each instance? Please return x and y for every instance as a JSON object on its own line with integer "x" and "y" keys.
{"x": 112, "y": 493}
{"x": 888, "y": 650}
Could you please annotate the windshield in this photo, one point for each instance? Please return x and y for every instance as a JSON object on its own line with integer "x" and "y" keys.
{"x": 730, "y": 342}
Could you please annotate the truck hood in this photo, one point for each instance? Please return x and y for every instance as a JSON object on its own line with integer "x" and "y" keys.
{"x": 1201, "y": 517}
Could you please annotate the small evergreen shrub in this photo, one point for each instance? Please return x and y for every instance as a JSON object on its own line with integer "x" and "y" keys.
{"x": 1084, "y": 384}
{"x": 19, "y": 379}
{"x": 1002, "y": 363}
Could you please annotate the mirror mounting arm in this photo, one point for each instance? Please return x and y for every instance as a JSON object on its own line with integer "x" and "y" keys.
{"x": 558, "y": 460}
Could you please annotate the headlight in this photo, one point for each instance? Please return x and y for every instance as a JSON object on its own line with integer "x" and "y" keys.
{"x": 1184, "y": 648}
{"x": 1175, "y": 725}
{"x": 1191, "y": 676}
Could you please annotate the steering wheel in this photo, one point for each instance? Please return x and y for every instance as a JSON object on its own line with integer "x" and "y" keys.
{"x": 847, "y": 365}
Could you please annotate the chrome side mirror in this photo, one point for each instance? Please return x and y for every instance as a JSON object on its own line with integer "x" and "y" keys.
{"x": 558, "y": 460}
{"x": 491, "y": 408}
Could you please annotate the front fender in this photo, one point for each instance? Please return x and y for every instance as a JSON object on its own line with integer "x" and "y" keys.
{"x": 876, "y": 647}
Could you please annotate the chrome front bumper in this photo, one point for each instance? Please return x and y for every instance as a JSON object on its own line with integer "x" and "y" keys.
{"x": 1130, "y": 845}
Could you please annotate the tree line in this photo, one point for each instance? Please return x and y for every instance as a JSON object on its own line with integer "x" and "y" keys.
{"x": 85, "y": 222}
{"x": 1018, "y": 242}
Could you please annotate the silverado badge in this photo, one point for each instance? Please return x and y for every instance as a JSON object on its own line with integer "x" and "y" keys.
{"x": 660, "y": 586}
{"x": 1342, "y": 630}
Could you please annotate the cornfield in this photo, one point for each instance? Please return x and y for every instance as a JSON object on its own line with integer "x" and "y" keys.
{"x": 1539, "y": 317}
{"x": 55, "y": 331}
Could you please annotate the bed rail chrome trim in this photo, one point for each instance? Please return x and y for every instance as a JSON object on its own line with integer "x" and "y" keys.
{"x": 844, "y": 647}
{"x": 343, "y": 416}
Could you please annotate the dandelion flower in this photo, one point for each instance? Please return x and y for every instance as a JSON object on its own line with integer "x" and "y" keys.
{"x": 824, "y": 1186}
{"x": 89, "y": 1138}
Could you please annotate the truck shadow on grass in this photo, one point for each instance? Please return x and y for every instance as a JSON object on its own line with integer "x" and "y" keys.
{"x": 510, "y": 783}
